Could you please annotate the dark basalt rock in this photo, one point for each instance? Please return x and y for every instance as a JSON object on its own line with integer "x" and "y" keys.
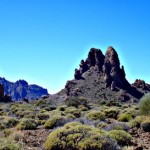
{"x": 95, "y": 58}
{"x": 109, "y": 65}
{"x": 3, "y": 96}
{"x": 113, "y": 74}
{"x": 139, "y": 84}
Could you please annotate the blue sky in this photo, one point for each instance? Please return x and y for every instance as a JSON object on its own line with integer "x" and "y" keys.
{"x": 43, "y": 41}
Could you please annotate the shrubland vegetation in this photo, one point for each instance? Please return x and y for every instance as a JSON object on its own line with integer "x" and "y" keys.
{"x": 76, "y": 125}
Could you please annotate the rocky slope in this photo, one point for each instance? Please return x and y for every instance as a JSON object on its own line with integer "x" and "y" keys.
{"x": 21, "y": 89}
{"x": 100, "y": 77}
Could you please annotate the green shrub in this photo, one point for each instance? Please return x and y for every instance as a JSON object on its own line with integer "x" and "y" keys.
{"x": 96, "y": 115}
{"x": 10, "y": 122}
{"x": 7, "y": 132}
{"x": 40, "y": 103}
{"x": 75, "y": 136}
{"x": 111, "y": 112}
{"x": 72, "y": 124}
{"x": 9, "y": 146}
{"x": 76, "y": 101}
{"x": 146, "y": 126}
{"x": 62, "y": 108}
{"x": 73, "y": 111}
{"x": 43, "y": 116}
{"x": 27, "y": 124}
{"x": 102, "y": 125}
{"x": 83, "y": 108}
{"x": 134, "y": 123}
{"x": 71, "y": 116}
{"x": 121, "y": 136}
{"x": 118, "y": 127}
{"x": 125, "y": 117}
{"x": 55, "y": 122}
{"x": 2, "y": 126}
{"x": 144, "y": 105}
{"x": 41, "y": 122}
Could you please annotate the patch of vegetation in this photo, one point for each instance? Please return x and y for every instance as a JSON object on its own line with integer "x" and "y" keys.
{"x": 74, "y": 111}
{"x": 7, "y": 132}
{"x": 43, "y": 116}
{"x": 101, "y": 125}
{"x": 8, "y": 146}
{"x": 10, "y": 122}
{"x": 111, "y": 112}
{"x": 125, "y": 117}
{"x": 27, "y": 124}
{"x": 55, "y": 122}
{"x": 96, "y": 115}
{"x": 144, "y": 105}
{"x": 79, "y": 137}
{"x": 76, "y": 101}
{"x": 121, "y": 136}
{"x": 2, "y": 126}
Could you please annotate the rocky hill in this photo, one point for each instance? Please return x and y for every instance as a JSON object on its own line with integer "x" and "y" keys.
{"x": 21, "y": 89}
{"x": 100, "y": 77}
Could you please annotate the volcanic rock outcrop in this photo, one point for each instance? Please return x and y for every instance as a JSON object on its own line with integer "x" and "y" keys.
{"x": 100, "y": 77}
{"x": 140, "y": 84}
{"x": 109, "y": 65}
{"x": 21, "y": 89}
{"x": 3, "y": 96}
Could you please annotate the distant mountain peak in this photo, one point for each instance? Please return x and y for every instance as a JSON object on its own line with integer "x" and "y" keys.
{"x": 21, "y": 89}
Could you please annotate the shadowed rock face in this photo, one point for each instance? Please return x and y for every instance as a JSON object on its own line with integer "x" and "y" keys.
{"x": 3, "y": 97}
{"x": 100, "y": 77}
{"x": 95, "y": 58}
{"x": 21, "y": 89}
{"x": 140, "y": 84}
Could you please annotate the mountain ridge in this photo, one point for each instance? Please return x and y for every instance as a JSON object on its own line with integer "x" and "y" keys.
{"x": 21, "y": 89}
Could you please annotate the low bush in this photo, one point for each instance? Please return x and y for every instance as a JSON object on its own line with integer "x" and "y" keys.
{"x": 75, "y": 136}
{"x": 7, "y": 132}
{"x": 101, "y": 125}
{"x": 27, "y": 124}
{"x": 117, "y": 126}
{"x": 2, "y": 126}
{"x": 55, "y": 122}
{"x": 121, "y": 136}
{"x": 73, "y": 111}
{"x": 134, "y": 123}
{"x": 125, "y": 117}
{"x": 76, "y": 101}
{"x": 144, "y": 105}
{"x": 9, "y": 146}
{"x": 111, "y": 112}
{"x": 10, "y": 122}
{"x": 43, "y": 116}
{"x": 96, "y": 115}
{"x": 62, "y": 108}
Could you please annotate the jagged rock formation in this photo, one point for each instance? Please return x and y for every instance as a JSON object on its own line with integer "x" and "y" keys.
{"x": 21, "y": 89}
{"x": 109, "y": 65}
{"x": 100, "y": 77}
{"x": 140, "y": 84}
{"x": 3, "y": 96}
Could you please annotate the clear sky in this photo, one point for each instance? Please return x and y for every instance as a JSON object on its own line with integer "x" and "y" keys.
{"x": 43, "y": 41}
